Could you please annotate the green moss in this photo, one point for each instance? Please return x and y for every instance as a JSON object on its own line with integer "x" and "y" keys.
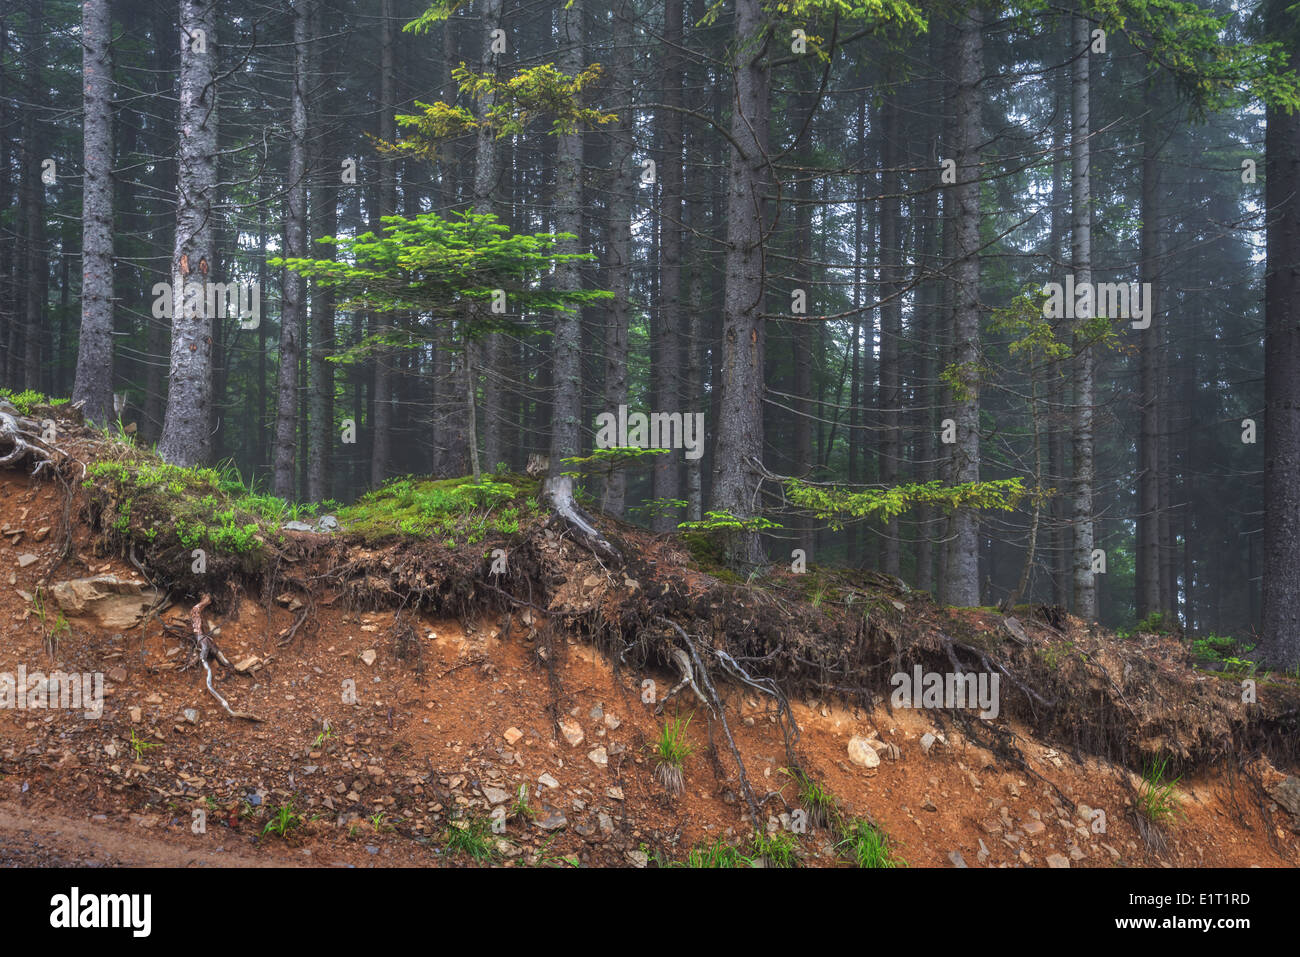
{"x": 453, "y": 510}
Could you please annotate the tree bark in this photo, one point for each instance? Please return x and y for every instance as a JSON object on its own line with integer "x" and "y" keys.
{"x": 294, "y": 287}
{"x": 94, "y": 382}
{"x": 186, "y": 439}
{"x": 739, "y": 446}
{"x": 961, "y": 582}
{"x": 1280, "y": 644}
{"x": 1085, "y": 588}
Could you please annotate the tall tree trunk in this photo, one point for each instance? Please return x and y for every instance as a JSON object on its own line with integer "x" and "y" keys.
{"x": 1085, "y": 588}
{"x": 294, "y": 287}
{"x": 381, "y": 424}
{"x": 1147, "y": 571}
{"x": 325, "y": 211}
{"x": 94, "y": 382}
{"x": 618, "y": 259}
{"x": 566, "y": 354}
{"x": 486, "y": 174}
{"x": 891, "y": 316}
{"x": 739, "y": 447}
{"x": 186, "y": 439}
{"x": 1280, "y": 644}
{"x": 667, "y": 360}
{"x": 961, "y": 584}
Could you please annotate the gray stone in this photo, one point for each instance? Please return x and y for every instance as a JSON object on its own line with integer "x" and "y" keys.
{"x": 191, "y": 715}
{"x": 927, "y": 742}
{"x": 957, "y": 859}
{"x": 296, "y": 526}
{"x": 1057, "y": 861}
{"x": 495, "y": 795}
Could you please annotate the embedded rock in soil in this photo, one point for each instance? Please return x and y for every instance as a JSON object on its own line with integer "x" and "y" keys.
{"x": 112, "y": 602}
{"x": 861, "y": 753}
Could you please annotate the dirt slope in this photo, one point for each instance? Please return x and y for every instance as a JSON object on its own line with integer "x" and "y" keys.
{"x": 453, "y": 714}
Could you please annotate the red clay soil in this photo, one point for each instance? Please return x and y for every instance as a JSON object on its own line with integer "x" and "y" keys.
{"x": 454, "y": 727}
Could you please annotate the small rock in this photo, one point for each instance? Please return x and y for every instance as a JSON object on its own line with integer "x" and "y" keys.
{"x": 1017, "y": 630}
{"x": 191, "y": 715}
{"x": 25, "y": 559}
{"x": 927, "y": 742}
{"x": 957, "y": 859}
{"x": 861, "y": 753}
{"x": 599, "y": 757}
{"x": 495, "y": 795}
{"x": 546, "y": 780}
{"x": 296, "y": 526}
{"x": 612, "y": 722}
{"x": 369, "y": 656}
{"x": 116, "y": 675}
{"x": 551, "y": 821}
{"x": 1057, "y": 861}
{"x": 637, "y": 858}
{"x": 572, "y": 732}
{"x": 41, "y": 533}
{"x": 248, "y": 664}
{"x": 597, "y": 713}
{"x": 136, "y": 715}
{"x": 1033, "y": 828}
{"x": 614, "y": 793}
{"x": 512, "y": 736}
{"x": 154, "y": 698}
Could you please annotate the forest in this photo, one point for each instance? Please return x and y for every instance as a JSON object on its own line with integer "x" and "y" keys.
{"x": 1001, "y": 300}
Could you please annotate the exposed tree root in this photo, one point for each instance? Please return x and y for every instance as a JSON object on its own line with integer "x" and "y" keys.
{"x": 558, "y": 493}
{"x": 206, "y": 648}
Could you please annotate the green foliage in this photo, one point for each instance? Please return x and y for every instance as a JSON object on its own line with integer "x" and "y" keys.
{"x": 866, "y": 846}
{"x": 606, "y": 461}
{"x": 283, "y": 820}
{"x": 775, "y": 849}
{"x": 148, "y": 500}
{"x": 1156, "y": 799}
{"x": 1185, "y": 40}
{"x": 837, "y": 504}
{"x": 429, "y": 263}
{"x": 141, "y": 745}
{"x": 726, "y": 522}
{"x": 1032, "y": 332}
{"x": 672, "y": 746}
{"x": 717, "y": 854}
{"x": 28, "y": 400}
{"x": 472, "y": 837}
{"x": 822, "y": 806}
{"x": 450, "y": 509}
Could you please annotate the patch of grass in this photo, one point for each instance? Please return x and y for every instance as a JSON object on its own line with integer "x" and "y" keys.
{"x": 671, "y": 750}
{"x": 141, "y": 745}
{"x": 775, "y": 849}
{"x": 866, "y": 846}
{"x": 519, "y": 808}
{"x": 471, "y": 836}
{"x": 822, "y": 807}
{"x": 28, "y": 400}
{"x": 283, "y": 820}
{"x": 717, "y": 854}
{"x": 1156, "y": 799}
